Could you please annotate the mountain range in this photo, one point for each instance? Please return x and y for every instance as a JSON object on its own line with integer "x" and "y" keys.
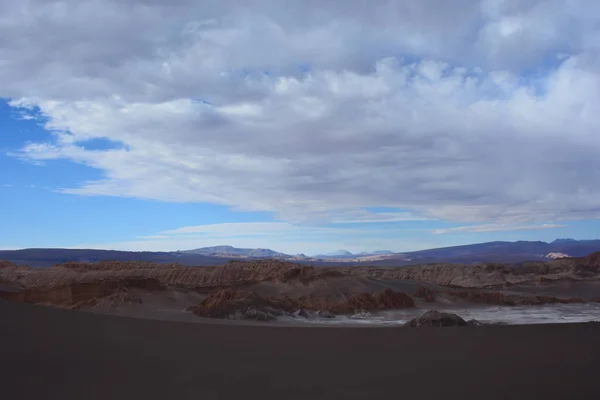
{"x": 234, "y": 252}
{"x": 507, "y": 252}
{"x": 346, "y": 254}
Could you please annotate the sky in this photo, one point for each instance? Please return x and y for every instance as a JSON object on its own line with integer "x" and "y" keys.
{"x": 300, "y": 126}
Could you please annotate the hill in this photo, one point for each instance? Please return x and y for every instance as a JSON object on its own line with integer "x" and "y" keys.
{"x": 234, "y": 252}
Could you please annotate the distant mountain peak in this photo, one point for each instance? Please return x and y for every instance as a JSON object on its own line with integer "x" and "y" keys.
{"x": 340, "y": 252}
{"x": 564, "y": 241}
{"x": 230, "y": 251}
{"x": 346, "y": 254}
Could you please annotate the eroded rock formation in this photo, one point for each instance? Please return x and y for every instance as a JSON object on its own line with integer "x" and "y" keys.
{"x": 290, "y": 287}
{"x": 83, "y": 295}
{"x": 232, "y": 274}
{"x": 426, "y": 294}
{"x": 490, "y": 275}
{"x": 239, "y": 272}
{"x": 227, "y": 303}
{"x": 497, "y": 298}
{"x": 384, "y": 300}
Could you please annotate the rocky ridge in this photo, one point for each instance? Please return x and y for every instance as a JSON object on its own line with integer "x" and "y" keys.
{"x": 485, "y": 275}
{"x": 489, "y": 275}
{"x": 502, "y": 299}
{"x": 229, "y": 303}
{"x": 234, "y": 273}
{"x": 252, "y": 287}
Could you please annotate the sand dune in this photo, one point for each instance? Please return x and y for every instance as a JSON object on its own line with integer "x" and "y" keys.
{"x": 56, "y": 354}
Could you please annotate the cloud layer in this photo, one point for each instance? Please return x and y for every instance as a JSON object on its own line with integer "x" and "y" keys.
{"x": 466, "y": 111}
{"x": 497, "y": 228}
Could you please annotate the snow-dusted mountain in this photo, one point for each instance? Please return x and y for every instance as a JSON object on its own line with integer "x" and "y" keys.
{"x": 235, "y": 252}
{"x": 347, "y": 254}
{"x": 335, "y": 254}
{"x": 555, "y": 256}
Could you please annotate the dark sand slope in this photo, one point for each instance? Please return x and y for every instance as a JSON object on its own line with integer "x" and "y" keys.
{"x": 56, "y": 354}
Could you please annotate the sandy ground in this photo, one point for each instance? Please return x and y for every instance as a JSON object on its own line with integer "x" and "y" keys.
{"x": 56, "y": 354}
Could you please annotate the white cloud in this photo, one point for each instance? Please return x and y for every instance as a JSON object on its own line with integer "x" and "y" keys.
{"x": 240, "y": 228}
{"x": 497, "y": 228}
{"x": 381, "y": 217}
{"x": 309, "y": 111}
{"x": 236, "y": 229}
{"x": 151, "y": 237}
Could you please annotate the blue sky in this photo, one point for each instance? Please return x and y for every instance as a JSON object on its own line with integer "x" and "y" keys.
{"x": 36, "y": 214}
{"x": 392, "y": 127}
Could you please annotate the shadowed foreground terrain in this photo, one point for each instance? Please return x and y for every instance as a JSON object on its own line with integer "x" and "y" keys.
{"x": 56, "y": 354}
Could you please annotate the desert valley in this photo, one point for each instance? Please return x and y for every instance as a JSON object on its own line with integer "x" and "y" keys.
{"x": 275, "y": 329}
{"x": 273, "y": 290}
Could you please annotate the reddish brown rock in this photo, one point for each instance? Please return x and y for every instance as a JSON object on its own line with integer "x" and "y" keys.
{"x": 541, "y": 300}
{"x": 591, "y": 260}
{"x": 496, "y": 298}
{"x": 226, "y": 302}
{"x": 384, "y": 300}
{"x": 236, "y": 273}
{"x": 425, "y": 293}
{"x": 7, "y": 264}
{"x": 338, "y": 289}
{"x": 307, "y": 274}
{"x": 82, "y": 295}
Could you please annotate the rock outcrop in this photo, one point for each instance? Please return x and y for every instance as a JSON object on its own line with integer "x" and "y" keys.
{"x": 83, "y": 295}
{"x": 5, "y": 265}
{"x": 497, "y": 298}
{"x": 426, "y": 294}
{"x": 384, "y": 300}
{"x": 494, "y": 298}
{"x": 232, "y": 274}
{"x": 541, "y": 300}
{"x": 227, "y": 303}
{"x": 438, "y": 319}
{"x": 491, "y": 275}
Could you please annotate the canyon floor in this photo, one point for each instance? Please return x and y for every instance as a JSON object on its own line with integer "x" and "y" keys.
{"x": 57, "y": 354}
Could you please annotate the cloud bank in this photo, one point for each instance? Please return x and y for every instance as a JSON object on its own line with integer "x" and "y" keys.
{"x": 467, "y": 111}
